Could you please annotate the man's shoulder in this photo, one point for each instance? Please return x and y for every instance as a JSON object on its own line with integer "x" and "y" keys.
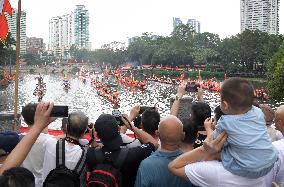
{"x": 279, "y": 144}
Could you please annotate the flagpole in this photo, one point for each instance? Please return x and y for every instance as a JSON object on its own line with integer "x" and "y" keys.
{"x": 16, "y": 97}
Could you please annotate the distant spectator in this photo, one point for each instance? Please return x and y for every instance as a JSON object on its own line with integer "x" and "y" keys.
{"x": 153, "y": 171}
{"x": 34, "y": 160}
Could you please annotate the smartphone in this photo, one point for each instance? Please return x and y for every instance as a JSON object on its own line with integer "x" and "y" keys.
{"x": 143, "y": 108}
{"x": 192, "y": 87}
{"x": 117, "y": 114}
{"x": 59, "y": 111}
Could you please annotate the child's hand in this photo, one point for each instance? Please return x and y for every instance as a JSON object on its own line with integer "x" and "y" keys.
{"x": 208, "y": 124}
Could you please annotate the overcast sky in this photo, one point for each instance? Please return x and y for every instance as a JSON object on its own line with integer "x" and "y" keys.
{"x": 115, "y": 20}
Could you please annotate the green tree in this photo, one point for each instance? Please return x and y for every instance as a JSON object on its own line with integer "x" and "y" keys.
{"x": 6, "y": 51}
{"x": 276, "y": 75}
{"x": 32, "y": 59}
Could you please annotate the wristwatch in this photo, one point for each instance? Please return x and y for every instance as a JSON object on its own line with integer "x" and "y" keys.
{"x": 178, "y": 98}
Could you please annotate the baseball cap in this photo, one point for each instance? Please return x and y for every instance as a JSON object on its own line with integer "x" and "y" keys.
{"x": 107, "y": 129}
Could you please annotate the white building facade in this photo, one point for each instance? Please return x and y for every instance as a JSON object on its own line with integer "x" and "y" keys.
{"x": 260, "y": 15}
{"x": 12, "y": 23}
{"x": 195, "y": 24}
{"x": 69, "y": 30}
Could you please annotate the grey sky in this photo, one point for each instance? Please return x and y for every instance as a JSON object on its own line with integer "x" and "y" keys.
{"x": 115, "y": 20}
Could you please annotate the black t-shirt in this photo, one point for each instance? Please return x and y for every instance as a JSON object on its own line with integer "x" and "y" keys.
{"x": 131, "y": 164}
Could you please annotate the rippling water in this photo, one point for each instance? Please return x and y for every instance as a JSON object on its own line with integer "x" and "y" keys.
{"x": 85, "y": 98}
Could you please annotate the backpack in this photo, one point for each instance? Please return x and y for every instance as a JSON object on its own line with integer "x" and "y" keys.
{"x": 106, "y": 172}
{"x": 61, "y": 176}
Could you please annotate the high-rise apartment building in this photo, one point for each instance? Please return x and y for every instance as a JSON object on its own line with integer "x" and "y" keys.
{"x": 260, "y": 15}
{"x": 12, "y": 22}
{"x": 194, "y": 24}
{"x": 68, "y": 30}
{"x": 176, "y": 22}
{"x": 81, "y": 23}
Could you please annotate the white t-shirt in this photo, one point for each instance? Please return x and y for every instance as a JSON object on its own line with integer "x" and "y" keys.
{"x": 127, "y": 139}
{"x": 277, "y": 172}
{"x": 213, "y": 174}
{"x": 34, "y": 160}
{"x": 279, "y": 135}
{"x": 72, "y": 155}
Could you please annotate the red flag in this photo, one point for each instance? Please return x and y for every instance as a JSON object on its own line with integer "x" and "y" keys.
{"x": 3, "y": 22}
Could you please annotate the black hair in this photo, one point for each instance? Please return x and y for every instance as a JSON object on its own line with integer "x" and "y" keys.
{"x": 190, "y": 131}
{"x": 77, "y": 124}
{"x": 200, "y": 111}
{"x": 64, "y": 123}
{"x": 218, "y": 113}
{"x": 28, "y": 113}
{"x": 238, "y": 93}
{"x": 150, "y": 121}
{"x": 17, "y": 177}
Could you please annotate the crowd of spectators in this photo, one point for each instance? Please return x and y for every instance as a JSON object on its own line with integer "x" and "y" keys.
{"x": 241, "y": 145}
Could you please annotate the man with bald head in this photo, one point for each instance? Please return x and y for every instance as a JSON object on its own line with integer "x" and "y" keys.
{"x": 279, "y": 119}
{"x": 153, "y": 171}
{"x": 277, "y": 172}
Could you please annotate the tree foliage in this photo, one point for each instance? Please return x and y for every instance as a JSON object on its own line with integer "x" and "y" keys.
{"x": 7, "y": 52}
{"x": 276, "y": 75}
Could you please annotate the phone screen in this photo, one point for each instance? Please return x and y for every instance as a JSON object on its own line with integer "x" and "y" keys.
{"x": 192, "y": 87}
{"x": 59, "y": 111}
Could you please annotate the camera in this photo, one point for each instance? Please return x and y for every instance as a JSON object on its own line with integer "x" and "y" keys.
{"x": 143, "y": 108}
{"x": 59, "y": 111}
{"x": 117, "y": 114}
{"x": 192, "y": 87}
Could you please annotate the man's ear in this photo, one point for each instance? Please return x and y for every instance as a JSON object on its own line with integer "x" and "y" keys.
{"x": 157, "y": 134}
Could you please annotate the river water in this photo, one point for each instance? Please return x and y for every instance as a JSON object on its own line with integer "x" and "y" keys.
{"x": 84, "y": 97}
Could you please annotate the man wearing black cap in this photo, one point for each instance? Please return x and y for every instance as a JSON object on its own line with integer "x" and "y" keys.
{"x": 108, "y": 131}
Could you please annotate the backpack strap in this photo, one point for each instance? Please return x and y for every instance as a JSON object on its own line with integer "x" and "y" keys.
{"x": 121, "y": 157}
{"x": 81, "y": 163}
{"x": 60, "y": 153}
